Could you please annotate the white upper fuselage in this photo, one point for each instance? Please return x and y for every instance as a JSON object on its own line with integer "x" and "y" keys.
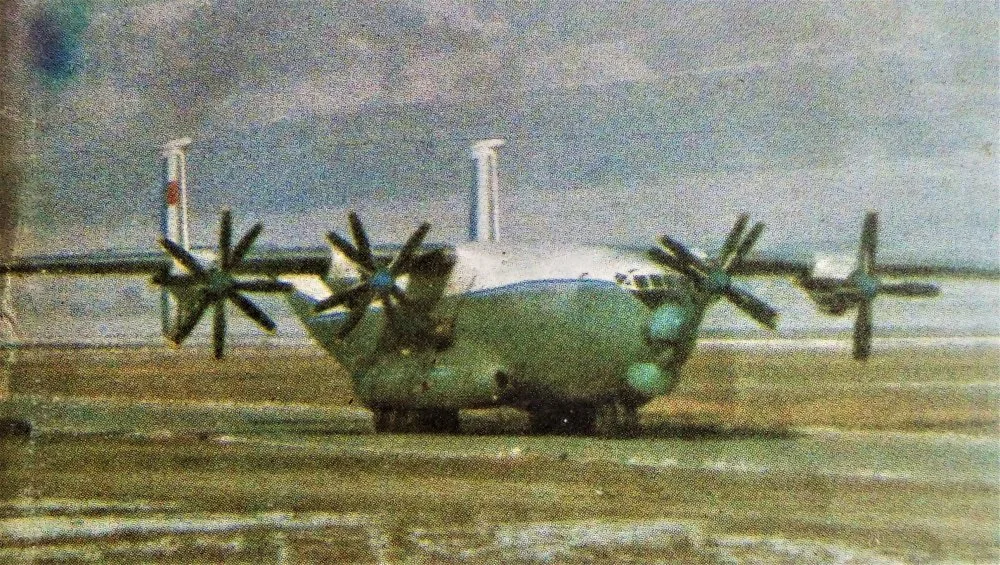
{"x": 483, "y": 266}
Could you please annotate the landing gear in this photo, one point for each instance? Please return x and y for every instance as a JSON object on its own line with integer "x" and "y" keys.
{"x": 568, "y": 419}
{"x": 616, "y": 419}
{"x": 416, "y": 421}
{"x": 608, "y": 419}
{"x": 14, "y": 428}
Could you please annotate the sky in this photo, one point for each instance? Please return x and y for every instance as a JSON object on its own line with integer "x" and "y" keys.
{"x": 624, "y": 119}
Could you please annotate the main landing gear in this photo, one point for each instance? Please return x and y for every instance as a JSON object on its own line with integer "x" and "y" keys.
{"x": 612, "y": 419}
{"x": 14, "y": 428}
{"x": 608, "y": 419}
{"x": 416, "y": 421}
{"x": 617, "y": 419}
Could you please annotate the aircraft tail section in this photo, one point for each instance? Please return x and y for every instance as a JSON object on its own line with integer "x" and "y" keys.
{"x": 484, "y": 222}
{"x": 174, "y": 222}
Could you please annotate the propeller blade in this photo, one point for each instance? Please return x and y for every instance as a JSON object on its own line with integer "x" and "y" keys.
{"x": 348, "y": 250}
{"x": 244, "y": 244}
{"x": 668, "y": 260}
{"x": 225, "y": 238}
{"x": 748, "y": 242}
{"x": 753, "y": 306}
{"x": 863, "y": 331}
{"x": 401, "y": 263}
{"x": 361, "y": 239}
{"x": 869, "y": 241}
{"x": 252, "y": 311}
{"x": 910, "y": 289}
{"x": 354, "y": 318}
{"x": 263, "y": 285}
{"x": 390, "y": 312}
{"x": 687, "y": 258}
{"x": 732, "y": 240}
{"x": 400, "y": 296}
{"x": 219, "y": 328}
{"x": 348, "y": 296}
{"x": 183, "y": 257}
{"x": 188, "y": 323}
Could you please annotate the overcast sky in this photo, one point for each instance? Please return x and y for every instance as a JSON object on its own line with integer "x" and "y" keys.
{"x": 625, "y": 119}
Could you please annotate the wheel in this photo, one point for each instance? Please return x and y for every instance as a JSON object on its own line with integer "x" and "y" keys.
{"x": 14, "y": 428}
{"x": 436, "y": 421}
{"x": 384, "y": 420}
{"x": 568, "y": 419}
{"x": 616, "y": 419}
{"x": 389, "y": 420}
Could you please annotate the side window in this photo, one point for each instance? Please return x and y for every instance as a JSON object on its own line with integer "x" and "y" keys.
{"x": 620, "y": 278}
{"x": 642, "y": 282}
{"x": 657, "y": 280}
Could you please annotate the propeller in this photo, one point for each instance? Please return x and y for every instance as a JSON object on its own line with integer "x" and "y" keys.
{"x": 864, "y": 286}
{"x": 215, "y": 285}
{"x": 379, "y": 279}
{"x": 715, "y": 275}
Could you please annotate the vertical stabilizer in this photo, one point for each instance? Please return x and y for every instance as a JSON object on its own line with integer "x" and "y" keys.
{"x": 174, "y": 223}
{"x": 173, "y": 220}
{"x": 483, "y": 219}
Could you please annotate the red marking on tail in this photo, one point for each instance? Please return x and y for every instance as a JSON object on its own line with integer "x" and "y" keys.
{"x": 173, "y": 193}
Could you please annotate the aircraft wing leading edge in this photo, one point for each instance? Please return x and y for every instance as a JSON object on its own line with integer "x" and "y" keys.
{"x": 273, "y": 262}
{"x": 769, "y": 265}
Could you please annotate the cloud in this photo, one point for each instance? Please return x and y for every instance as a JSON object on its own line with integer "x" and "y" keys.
{"x": 588, "y": 65}
{"x": 329, "y": 94}
{"x": 162, "y": 14}
{"x": 450, "y": 78}
{"x": 460, "y": 15}
{"x": 593, "y": 94}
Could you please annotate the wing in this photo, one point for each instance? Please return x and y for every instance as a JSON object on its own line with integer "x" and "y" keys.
{"x": 96, "y": 263}
{"x": 210, "y": 281}
{"x": 800, "y": 265}
{"x": 268, "y": 262}
{"x": 837, "y": 284}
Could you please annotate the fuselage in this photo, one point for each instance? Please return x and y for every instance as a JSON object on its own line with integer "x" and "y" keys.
{"x": 531, "y": 325}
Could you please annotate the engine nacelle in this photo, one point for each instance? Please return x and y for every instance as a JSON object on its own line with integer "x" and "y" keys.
{"x": 833, "y": 266}
{"x": 827, "y": 283}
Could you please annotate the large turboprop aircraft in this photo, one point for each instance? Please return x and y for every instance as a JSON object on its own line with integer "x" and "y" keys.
{"x": 580, "y": 337}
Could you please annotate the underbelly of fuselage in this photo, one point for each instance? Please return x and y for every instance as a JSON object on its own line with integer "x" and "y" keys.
{"x": 537, "y": 342}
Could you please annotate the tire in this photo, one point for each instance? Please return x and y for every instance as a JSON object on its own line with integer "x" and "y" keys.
{"x": 388, "y": 420}
{"x": 564, "y": 419}
{"x": 15, "y": 428}
{"x": 436, "y": 421}
{"x": 383, "y": 420}
{"x": 616, "y": 420}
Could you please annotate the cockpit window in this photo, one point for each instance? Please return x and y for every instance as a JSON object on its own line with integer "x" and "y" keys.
{"x": 642, "y": 281}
